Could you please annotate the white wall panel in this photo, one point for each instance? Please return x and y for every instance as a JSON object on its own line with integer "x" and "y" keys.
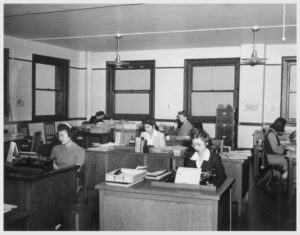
{"x": 272, "y": 93}
{"x": 77, "y": 93}
{"x": 20, "y": 87}
{"x": 245, "y": 136}
{"x": 98, "y": 91}
{"x": 168, "y": 93}
{"x": 251, "y": 91}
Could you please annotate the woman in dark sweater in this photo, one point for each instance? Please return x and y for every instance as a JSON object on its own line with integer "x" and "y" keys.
{"x": 206, "y": 159}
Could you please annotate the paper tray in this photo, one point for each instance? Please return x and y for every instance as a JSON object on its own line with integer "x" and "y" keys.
{"x": 195, "y": 187}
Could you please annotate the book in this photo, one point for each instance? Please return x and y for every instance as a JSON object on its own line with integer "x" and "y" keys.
{"x": 122, "y": 184}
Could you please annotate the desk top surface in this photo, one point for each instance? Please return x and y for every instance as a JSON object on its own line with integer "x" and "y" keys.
{"x": 145, "y": 187}
{"x": 121, "y": 150}
{"x": 28, "y": 173}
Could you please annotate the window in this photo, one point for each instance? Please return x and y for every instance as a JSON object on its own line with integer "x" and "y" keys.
{"x": 50, "y": 88}
{"x": 289, "y": 89}
{"x": 130, "y": 90}
{"x": 5, "y": 85}
{"x": 208, "y": 83}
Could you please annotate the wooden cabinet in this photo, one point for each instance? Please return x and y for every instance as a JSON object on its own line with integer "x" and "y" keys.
{"x": 226, "y": 126}
{"x": 150, "y": 208}
{"x": 98, "y": 163}
{"x": 41, "y": 195}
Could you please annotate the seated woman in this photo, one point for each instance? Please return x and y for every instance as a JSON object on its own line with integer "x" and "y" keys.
{"x": 186, "y": 126}
{"x": 205, "y": 159}
{"x": 152, "y": 135}
{"x": 68, "y": 152}
{"x": 272, "y": 143}
{"x": 97, "y": 118}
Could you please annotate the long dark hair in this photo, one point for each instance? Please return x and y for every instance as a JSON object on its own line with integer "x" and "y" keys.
{"x": 151, "y": 122}
{"x": 203, "y": 135}
{"x": 279, "y": 124}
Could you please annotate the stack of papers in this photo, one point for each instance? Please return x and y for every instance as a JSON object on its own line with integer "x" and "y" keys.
{"x": 9, "y": 207}
{"x": 102, "y": 147}
{"x": 158, "y": 175}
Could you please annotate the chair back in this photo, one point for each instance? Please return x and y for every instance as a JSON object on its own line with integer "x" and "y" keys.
{"x": 49, "y": 132}
{"x": 217, "y": 145}
{"x": 37, "y": 136}
{"x": 272, "y": 159}
{"x": 23, "y": 128}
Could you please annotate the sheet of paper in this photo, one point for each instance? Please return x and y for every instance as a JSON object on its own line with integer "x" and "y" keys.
{"x": 186, "y": 175}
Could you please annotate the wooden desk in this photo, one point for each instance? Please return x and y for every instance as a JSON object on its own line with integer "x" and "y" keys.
{"x": 98, "y": 163}
{"x": 291, "y": 174}
{"x": 40, "y": 194}
{"x": 85, "y": 139}
{"x": 257, "y": 155}
{"x": 238, "y": 169}
{"x": 16, "y": 221}
{"x": 144, "y": 207}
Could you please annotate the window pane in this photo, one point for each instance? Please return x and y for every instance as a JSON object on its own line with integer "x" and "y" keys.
{"x": 134, "y": 79}
{"x": 293, "y": 74}
{"x": 213, "y": 78}
{"x": 45, "y": 76}
{"x": 132, "y": 103}
{"x": 292, "y": 105}
{"x": 44, "y": 103}
{"x": 206, "y": 103}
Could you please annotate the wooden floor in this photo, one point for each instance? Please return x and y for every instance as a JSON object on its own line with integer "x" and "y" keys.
{"x": 266, "y": 211}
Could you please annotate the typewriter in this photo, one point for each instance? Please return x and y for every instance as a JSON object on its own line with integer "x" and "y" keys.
{"x": 33, "y": 161}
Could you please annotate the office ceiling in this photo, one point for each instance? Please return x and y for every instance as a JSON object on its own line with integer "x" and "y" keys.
{"x": 149, "y": 26}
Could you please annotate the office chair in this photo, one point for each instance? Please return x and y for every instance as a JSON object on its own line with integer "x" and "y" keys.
{"x": 273, "y": 164}
{"x": 26, "y": 142}
{"x": 36, "y": 139}
{"x": 50, "y": 136}
{"x": 217, "y": 145}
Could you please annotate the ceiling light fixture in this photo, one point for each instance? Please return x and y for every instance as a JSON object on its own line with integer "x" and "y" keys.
{"x": 118, "y": 63}
{"x": 283, "y": 22}
{"x": 254, "y": 60}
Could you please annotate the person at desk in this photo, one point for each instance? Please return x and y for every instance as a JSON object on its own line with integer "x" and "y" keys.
{"x": 68, "y": 152}
{"x": 152, "y": 135}
{"x": 205, "y": 159}
{"x": 97, "y": 118}
{"x": 186, "y": 126}
{"x": 272, "y": 143}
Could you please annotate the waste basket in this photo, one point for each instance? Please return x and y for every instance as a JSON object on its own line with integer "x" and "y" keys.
{"x": 77, "y": 218}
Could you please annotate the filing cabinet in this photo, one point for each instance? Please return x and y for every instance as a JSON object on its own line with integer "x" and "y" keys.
{"x": 225, "y": 125}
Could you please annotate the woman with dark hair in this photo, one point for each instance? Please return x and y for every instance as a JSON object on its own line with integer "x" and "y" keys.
{"x": 272, "y": 143}
{"x": 205, "y": 159}
{"x": 99, "y": 116}
{"x": 152, "y": 135}
{"x": 186, "y": 126}
{"x": 68, "y": 152}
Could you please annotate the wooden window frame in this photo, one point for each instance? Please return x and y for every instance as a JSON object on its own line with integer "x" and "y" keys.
{"x": 110, "y": 91}
{"x": 189, "y": 64}
{"x": 6, "y": 108}
{"x": 62, "y": 67}
{"x": 285, "y": 83}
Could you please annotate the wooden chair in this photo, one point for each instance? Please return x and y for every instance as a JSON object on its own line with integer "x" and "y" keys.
{"x": 36, "y": 140}
{"x": 217, "y": 145}
{"x": 273, "y": 162}
{"x": 25, "y": 143}
{"x": 50, "y": 135}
